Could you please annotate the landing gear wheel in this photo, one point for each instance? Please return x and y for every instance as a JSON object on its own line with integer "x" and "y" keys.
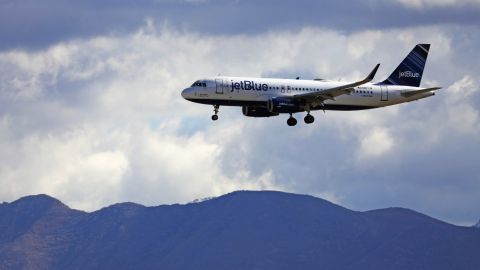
{"x": 309, "y": 119}
{"x": 215, "y": 110}
{"x": 291, "y": 121}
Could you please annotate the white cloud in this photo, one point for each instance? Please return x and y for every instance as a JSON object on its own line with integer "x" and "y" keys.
{"x": 101, "y": 120}
{"x": 462, "y": 114}
{"x": 363, "y": 43}
{"x": 418, "y": 4}
{"x": 462, "y": 89}
{"x": 375, "y": 143}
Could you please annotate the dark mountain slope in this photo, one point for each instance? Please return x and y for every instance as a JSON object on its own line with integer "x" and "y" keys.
{"x": 34, "y": 232}
{"x": 240, "y": 230}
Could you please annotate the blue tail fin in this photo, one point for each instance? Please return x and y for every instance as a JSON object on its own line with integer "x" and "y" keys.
{"x": 410, "y": 71}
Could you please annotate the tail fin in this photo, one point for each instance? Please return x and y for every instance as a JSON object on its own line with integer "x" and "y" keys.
{"x": 410, "y": 71}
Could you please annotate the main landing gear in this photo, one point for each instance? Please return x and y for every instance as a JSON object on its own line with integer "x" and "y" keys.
{"x": 215, "y": 110}
{"x": 308, "y": 120}
{"x": 291, "y": 121}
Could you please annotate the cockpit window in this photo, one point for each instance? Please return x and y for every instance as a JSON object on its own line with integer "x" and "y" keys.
{"x": 199, "y": 84}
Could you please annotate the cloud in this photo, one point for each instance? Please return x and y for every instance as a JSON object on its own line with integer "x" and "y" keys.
{"x": 462, "y": 113}
{"x": 418, "y": 4}
{"x": 38, "y": 25}
{"x": 99, "y": 120}
{"x": 463, "y": 88}
{"x": 375, "y": 144}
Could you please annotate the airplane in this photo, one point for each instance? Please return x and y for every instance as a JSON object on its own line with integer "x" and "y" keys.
{"x": 266, "y": 97}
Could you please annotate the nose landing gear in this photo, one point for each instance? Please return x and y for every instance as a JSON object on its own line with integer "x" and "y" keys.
{"x": 215, "y": 110}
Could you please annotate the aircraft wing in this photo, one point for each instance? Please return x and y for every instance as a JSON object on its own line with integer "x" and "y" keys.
{"x": 421, "y": 91}
{"x": 331, "y": 93}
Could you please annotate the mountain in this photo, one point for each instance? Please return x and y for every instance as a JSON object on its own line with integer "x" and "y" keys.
{"x": 240, "y": 230}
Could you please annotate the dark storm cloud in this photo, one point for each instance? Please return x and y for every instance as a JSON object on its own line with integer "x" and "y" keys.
{"x": 33, "y": 24}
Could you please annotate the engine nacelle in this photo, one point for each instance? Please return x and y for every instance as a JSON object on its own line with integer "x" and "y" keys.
{"x": 257, "y": 112}
{"x": 283, "y": 105}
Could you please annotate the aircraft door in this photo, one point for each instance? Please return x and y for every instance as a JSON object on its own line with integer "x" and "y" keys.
{"x": 219, "y": 86}
{"x": 384, "y": 93}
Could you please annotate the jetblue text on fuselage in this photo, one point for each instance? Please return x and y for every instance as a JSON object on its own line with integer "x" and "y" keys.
{"x": 248, "y": 85}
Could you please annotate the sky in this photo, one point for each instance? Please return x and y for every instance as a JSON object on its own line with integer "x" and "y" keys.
{"x": 91, "y": 112}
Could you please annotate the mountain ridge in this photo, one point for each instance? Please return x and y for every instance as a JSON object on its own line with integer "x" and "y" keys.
{"x": 242, "y": 229}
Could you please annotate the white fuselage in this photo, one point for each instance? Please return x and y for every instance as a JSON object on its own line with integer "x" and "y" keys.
{"x": 243, "y": 91}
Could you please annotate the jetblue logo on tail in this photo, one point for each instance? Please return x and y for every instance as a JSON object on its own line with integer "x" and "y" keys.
{"x": 410, "y": 70}
{"x": 408, "y": 74}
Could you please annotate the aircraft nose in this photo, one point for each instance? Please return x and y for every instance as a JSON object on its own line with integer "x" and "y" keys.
{"x": 186, "y": 93}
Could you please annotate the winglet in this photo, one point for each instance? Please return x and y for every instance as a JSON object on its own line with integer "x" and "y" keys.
{"x": 372, "y": 74}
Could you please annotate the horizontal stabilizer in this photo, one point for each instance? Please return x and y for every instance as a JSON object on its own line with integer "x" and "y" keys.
{"x": 416, "y": 92}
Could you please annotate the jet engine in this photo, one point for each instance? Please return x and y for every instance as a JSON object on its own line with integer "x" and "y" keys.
{"x": 257, "y": 112}
{"x": 283, "y": 105}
